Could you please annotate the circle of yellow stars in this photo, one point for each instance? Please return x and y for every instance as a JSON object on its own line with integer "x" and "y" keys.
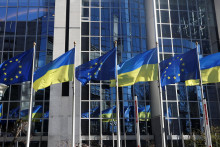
{"x": 90, "y": 75}
{"x": 170, "y": 63}
{"x": 6, "y": 78}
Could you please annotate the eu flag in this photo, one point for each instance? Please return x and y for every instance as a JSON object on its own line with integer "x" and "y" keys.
{"x": 17, "y": 69}
{"x": 14, "y": 113}
{"x": 179, "y": 68}
{"x": 102, "y": 68}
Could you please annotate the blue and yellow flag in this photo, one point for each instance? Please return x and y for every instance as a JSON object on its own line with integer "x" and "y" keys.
{"x": 1, "y": 115}
{"x": 210, "y": 70}
{"x": 93, "y": 112}
{"x": 141, "y": 68}
{"x": 14, "y": 113}
{"x": 108, "y": 114}
{"x": 102, "y": 68}
{"x": 179, "y": 68}
{"x": 58, "y": 71}
{"x": 143, "y": 113}
{"x": 17, "y": 69}
{"x": 36, "y": 112}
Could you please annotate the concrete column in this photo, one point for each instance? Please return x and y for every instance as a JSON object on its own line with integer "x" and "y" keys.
{"x": 154, "y": 86}
{"x": 60, "y": 122}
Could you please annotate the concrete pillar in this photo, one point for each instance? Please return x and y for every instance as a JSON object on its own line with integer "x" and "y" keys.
{"x": 154, "y": 86}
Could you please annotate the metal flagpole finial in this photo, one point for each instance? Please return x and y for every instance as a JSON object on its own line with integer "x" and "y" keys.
{"x": 115, "y": 43}
{"x": 197, "y": 43}
{"x": 74, "y": 44}
{"x": 34, "y": 43}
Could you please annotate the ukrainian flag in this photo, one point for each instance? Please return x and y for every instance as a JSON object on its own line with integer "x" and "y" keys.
{"x": 58, "y": 71}
{"x": 108, "y": 114}
{"x": 144, "y": 112}
{"x": 36, "y": 113}
{"x": 210, "y": 70}
{"x": 141, "y": 68}
{"x": 1, "y": 116}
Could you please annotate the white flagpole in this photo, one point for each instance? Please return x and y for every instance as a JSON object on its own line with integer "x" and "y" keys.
{"x": 138, "y": 139}
{"x": 117, "y": 104}
{"x": 161, "y": 101}
{"x": 205, "y": 110}
{"x": 31, "y": 99}
{"x": 74, "y": 101}
{"x": 159, "y": 78}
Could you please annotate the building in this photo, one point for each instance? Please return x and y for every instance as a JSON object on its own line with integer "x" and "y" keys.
{"x": 94, "y": 25}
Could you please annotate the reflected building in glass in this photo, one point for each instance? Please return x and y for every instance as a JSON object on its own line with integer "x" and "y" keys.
{"x": 94, "y": 25}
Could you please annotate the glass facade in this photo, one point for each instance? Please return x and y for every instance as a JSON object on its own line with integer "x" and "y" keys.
{"x": 102, "y": 23}
{"x": 182, "y": 23}
{"x": 23, "y": 22}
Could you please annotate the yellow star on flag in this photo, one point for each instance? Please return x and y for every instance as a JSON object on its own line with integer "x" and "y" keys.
{"x": 20, "y": 66}
{"x": 99, "y": 68}
{"x": 16, "y": 76}
{"x": 179, "y": 75}
{"x": 181, "y": 59}
{"x": 10, "y": 61}
{"x": 170, "y": 63}
{"x": 101, "y": 63}
{"x": 19, "y": 72}
{"x": 95, "y": 63}
{"x": 5, "y": 73}
{"x": 183, "y": 64}
{"x": 6, "y": 64}
{"x": 95, "y": 73}
{"x": 3, "y": 69}
{"x": 90, "y": 67}
{"x": 182, "y": 70}
{"x": 11, "y": 79}
{"x": 166, "y": 67}
{"x": 174, "y": 78}
{"x": 5, "y": 79}
{"x": 168, "y": 77}
{"x": 16, "y": 60}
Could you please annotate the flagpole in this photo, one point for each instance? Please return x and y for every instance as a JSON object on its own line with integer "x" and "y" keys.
{"x": 31, "y": 99}
{"x": 159, "y": 78}
{"x": 117, "y": 104}
{"x": 205, "y": 110}
{"x": 73, "y": 102}
{"x": 138, "y": 140}
{"x": 161, "y": 100}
